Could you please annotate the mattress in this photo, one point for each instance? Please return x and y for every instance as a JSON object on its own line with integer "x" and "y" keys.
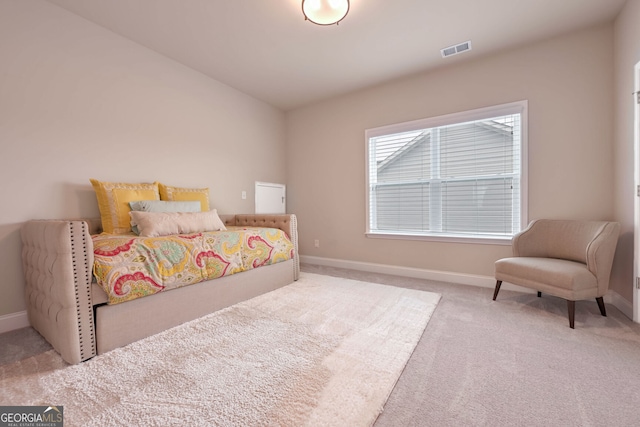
{"x": 127, "y": 267}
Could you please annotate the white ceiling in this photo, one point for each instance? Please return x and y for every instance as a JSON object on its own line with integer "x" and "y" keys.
{"x": 266, "y": 49}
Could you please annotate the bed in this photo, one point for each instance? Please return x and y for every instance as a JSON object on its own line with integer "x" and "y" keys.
{"x": 71, "y": 310}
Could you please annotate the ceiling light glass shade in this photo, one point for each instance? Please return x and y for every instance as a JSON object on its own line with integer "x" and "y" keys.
{"x": 325, "y": 12}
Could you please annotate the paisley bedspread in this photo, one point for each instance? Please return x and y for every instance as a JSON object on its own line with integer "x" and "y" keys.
{"x": 129, "y": 266}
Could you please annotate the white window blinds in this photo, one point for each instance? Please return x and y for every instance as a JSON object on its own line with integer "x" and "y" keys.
{"x": 460, "y": 178}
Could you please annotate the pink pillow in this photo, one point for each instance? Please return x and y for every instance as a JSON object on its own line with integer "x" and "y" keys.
{"x": 154, "y": 224}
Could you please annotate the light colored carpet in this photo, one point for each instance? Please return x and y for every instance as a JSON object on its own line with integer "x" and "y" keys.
{"x": 513, "y": 362}
{"x": 322, "y": 351}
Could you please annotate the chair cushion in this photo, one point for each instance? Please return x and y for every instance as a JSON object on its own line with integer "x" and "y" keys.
{"x": 567, "y": 279}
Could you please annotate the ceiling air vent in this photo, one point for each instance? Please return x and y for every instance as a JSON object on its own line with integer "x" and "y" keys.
{"x": 456, "y": 49}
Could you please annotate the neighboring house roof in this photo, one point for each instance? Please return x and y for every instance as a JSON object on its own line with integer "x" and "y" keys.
{"x": 424, "y": 136}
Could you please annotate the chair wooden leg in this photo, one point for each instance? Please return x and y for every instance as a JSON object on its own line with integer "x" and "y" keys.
{"x": 600, "y": 302}
{"x": 539, "y": 294}
{"x": 495, "y": 293}
{"x": 571, "y": 305}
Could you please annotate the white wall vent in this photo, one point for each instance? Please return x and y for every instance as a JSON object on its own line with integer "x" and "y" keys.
{"x": 456, "y": 49}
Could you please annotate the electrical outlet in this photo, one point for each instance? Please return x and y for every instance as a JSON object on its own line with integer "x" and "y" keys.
{"x": 316, "y": 243}
{"x": 244, "y": 195}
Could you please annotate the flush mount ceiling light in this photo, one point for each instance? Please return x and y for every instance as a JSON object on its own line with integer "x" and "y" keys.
{"x": 325, "y": 12}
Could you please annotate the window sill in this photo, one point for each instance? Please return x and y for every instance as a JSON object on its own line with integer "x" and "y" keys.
{"x": 484, "y": 240}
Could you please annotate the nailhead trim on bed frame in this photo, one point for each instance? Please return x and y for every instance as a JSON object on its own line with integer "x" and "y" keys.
{"x": 82, "y": 271}
{"x": 58, "y": 268}
{"x": 56, "y": 253}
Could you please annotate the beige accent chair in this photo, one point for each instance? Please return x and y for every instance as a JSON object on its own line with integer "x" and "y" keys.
{"x": 569, "y": 259}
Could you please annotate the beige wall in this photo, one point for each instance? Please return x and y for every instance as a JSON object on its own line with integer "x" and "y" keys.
{"x": 627, "y": 55}
{"x": 79, "y": 102}
{"x": 568, "y": 82}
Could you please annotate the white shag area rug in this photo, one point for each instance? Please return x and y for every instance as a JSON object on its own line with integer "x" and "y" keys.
{"x": 323, "y": 351}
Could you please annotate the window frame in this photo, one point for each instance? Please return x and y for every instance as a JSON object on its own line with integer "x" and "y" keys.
{"x": 518, "y": 107}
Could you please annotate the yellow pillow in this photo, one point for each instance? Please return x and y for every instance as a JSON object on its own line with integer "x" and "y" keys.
{"x": 113, "y": 202}
{"x": 178, "y": 194}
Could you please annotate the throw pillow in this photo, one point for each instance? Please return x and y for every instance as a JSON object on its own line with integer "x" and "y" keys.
{"x": 113, "y": 202}
{"x": 162, "y": 206}
{"x": 155, "y": 224}
{"x": 181, "y": 194}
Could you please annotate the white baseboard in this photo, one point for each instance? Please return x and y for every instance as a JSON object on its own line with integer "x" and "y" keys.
{"x": 612, "y": 297}
{"x": 12, "y": 321}
{"x": 416, "y": 273}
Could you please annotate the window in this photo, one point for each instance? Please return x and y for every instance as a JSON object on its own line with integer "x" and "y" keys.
{"x": 460, "y": 176}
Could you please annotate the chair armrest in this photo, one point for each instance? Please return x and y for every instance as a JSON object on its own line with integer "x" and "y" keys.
{"x": 530, "y": 242}
{"x": 600, "y": 253}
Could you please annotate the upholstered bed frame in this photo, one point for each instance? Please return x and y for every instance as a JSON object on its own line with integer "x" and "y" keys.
{"x": 69, "y": 310}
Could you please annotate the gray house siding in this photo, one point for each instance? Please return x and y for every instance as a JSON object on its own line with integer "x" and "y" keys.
{"x": 474, "y": 192}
